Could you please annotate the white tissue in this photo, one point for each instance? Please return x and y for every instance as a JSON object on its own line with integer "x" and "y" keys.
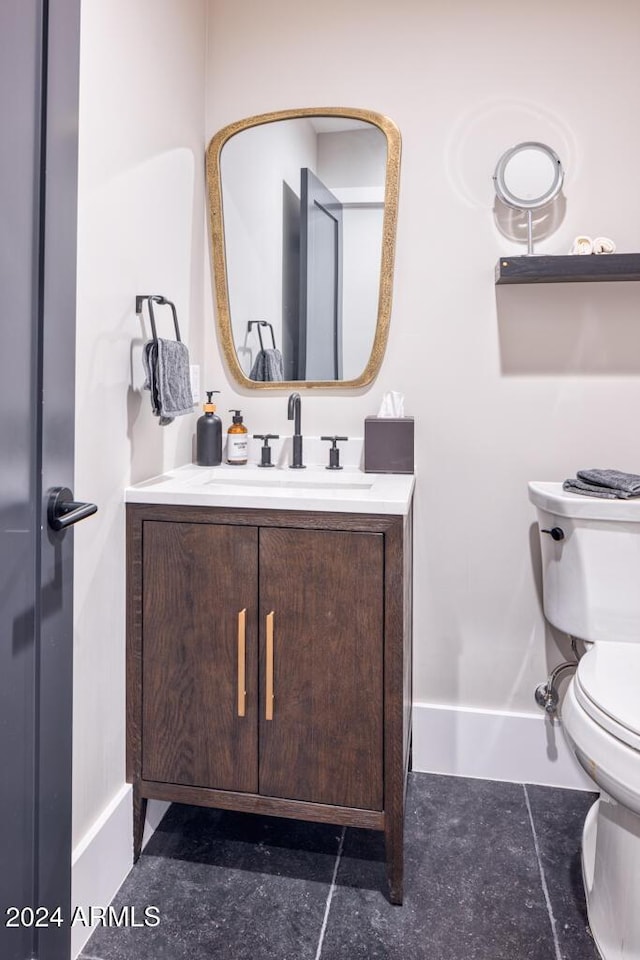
{"x": 392, "y": 404}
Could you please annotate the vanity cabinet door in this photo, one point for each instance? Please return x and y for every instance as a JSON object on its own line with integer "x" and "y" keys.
{"x": 321, "y": 600}
{"x": 198, "y": 728}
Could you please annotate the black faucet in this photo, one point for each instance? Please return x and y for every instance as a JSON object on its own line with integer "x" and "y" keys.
{"x": 293, "y": 413}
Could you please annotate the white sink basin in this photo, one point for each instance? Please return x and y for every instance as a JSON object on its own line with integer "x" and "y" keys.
{"x": 290, "y": 483}
{"x": 315, "y": 488}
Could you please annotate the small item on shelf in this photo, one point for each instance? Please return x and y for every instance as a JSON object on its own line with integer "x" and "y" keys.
{"x": 581, "y": 246}
{"x": 209, "y": 435}
{"x": 585, "y": 245}
{"x": 603, "y": 245}
{"x": 237, "y": 440}
{"x": 527, "y": 177}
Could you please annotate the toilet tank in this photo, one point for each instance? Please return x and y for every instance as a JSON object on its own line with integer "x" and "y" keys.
{"x": 591, "y": 576}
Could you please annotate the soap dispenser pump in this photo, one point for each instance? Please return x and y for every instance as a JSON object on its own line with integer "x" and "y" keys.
{"x": 237, "y": 440}
{"x": 209, "y": 435}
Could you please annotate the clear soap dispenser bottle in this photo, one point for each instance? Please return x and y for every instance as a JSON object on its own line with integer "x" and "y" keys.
{"x": 237, "y": 440}
{"x": 209, "y": 435}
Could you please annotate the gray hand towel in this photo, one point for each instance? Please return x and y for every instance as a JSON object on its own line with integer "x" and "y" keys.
{"x": 589, "y": 490}
{"x": 607, "y": 484}
{"x": 623, "y": 483}
{"x": 166, "y": 364}
{"x": 268, "y": 365}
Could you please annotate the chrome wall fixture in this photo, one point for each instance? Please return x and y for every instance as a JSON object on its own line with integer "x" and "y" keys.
{"x": 546, "y": 694}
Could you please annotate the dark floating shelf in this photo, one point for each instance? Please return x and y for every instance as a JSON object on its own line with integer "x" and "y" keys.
{"x": 569, "y": 269}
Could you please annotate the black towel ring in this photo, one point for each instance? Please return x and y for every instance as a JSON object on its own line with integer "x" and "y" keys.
{"x": 262, "y": 323}
{"x": 151, "y": 298}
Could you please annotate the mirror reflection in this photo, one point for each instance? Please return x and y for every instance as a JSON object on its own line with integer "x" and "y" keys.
{"x": 301, "y": 254}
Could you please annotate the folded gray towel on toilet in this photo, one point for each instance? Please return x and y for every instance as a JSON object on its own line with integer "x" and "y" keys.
{"x": 589, "y": 490}
{"x": 628, "y": 483}
{"x": 166, "y": 364}
{"x": 609, "y": 484}
{"x": 268, "y": 366}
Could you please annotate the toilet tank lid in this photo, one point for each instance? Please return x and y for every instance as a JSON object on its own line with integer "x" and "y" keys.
{"x": 609, "y": 675}
{"x": 549, "y": 496}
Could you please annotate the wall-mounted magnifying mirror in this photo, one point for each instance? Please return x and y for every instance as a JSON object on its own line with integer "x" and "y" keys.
{"x": 527, "y": 177}
{"x": 302, "y": 212}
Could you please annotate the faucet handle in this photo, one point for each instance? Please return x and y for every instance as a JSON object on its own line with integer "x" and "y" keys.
{"x": 265, "y": 450}
{"x": 334, "y": 453}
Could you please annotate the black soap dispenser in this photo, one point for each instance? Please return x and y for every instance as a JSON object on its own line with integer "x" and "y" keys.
{"x": 209, "y": 435}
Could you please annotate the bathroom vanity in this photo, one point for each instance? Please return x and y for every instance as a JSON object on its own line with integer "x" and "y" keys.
{"x": 269, "y": 645}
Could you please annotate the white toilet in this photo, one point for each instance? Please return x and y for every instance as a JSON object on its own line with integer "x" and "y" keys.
{"x": 591, "y": 589}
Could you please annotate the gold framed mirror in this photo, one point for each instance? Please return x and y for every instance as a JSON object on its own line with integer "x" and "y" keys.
{"x": 302, "y": 217}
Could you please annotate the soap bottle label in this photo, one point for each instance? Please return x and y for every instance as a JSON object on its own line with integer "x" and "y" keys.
{"x": 237, "y": 446}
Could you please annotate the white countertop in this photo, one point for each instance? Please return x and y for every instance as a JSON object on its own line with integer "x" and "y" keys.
{"x": 278, "y": 488}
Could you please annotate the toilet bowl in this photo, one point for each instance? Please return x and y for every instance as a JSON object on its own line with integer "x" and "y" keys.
{"x": 591, "y": 590}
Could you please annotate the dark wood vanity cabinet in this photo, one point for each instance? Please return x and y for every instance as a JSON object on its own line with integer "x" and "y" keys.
{"x": 196, "y": 579}
{"x": 269, "y": 664}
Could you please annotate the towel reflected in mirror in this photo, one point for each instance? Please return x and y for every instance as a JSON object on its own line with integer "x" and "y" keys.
{"x": 268, "y": 366}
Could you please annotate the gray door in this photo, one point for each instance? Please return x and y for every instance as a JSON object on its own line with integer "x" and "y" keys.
{"x": 39, "y": 52}
{"x": 320, "y": 346}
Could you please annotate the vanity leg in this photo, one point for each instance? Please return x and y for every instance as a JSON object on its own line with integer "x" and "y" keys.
{"x": 394, "y": 846}
{"x": 139, "y": 815}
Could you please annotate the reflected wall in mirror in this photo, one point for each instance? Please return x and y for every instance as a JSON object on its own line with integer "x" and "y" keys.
{"x": 302, "y": 212}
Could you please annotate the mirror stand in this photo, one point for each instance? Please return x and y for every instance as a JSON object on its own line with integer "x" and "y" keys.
{"x": 527, "y": 177}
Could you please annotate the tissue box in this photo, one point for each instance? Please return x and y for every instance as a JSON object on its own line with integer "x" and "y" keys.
{"x": 388, "y": 444}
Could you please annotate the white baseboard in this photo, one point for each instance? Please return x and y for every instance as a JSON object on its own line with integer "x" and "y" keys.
{"x": 104, "y": 857}
{"x": 494, "y": 745}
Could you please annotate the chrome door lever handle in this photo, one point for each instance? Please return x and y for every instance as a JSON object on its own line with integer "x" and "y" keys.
{"x": 63, "y": 510}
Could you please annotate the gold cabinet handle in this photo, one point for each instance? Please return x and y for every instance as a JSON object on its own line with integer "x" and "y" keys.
{"x": 242, "y": 661}
{"x": 268, "y": 709}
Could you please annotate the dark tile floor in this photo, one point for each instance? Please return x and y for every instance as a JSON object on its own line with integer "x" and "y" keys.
{"x": 492, "y": 873}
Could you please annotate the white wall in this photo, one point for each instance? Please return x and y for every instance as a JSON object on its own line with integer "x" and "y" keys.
{"x": 140, "y": 230}
{"x": 506, "y": 384}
